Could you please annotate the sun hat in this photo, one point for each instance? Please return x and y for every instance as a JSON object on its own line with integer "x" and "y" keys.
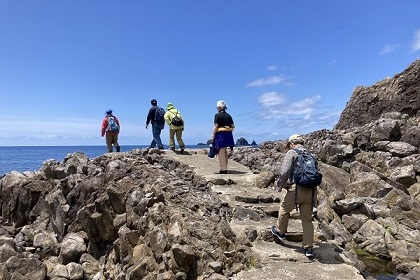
{"x": 221, "y": 104}
{"x": 170, "y": 106}
{"x": 108, "y": 112}
{"x": 296, "y": 139}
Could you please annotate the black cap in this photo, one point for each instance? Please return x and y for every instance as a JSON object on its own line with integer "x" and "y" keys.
{"x": 154, "y": 102}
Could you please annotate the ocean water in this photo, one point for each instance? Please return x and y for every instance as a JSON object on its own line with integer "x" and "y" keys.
{"x": 31, "y": 158}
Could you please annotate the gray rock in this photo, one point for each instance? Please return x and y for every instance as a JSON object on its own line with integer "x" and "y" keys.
{"x": 397, "y": 149}
{"x": 72, "y": 247}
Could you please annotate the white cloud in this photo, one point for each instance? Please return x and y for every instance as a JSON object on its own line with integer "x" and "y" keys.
{"x": 389, "y": 48}
{"x": 415, "y": 46}
{"x": 276, "y": 106}
{"x": 272, "y": 80}
{"x": 272, "y": 68}
{"x": 271, "y": 98}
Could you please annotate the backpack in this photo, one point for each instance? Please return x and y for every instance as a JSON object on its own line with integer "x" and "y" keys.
{"x": 306, "y": 172}
{"x": 177, "y": 121}
{"x": 112, "y": 124}
{"x": 159, "y": 115}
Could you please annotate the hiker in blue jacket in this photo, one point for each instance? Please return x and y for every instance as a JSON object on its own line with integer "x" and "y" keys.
{"x": 158, "y": 124}
{"x": 304, "y": 198}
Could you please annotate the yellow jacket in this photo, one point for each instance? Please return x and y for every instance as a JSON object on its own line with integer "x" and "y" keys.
{"x": 171, "y": 112}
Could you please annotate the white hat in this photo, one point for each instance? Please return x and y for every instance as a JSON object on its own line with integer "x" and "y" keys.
{"x": 296, "y": 139}
{"x": 221, "y": 104}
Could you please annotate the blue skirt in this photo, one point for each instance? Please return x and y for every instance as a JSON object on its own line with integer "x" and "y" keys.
{"x": 223, "y": 139}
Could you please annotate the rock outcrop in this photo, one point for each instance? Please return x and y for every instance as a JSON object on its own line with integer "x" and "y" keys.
{"x": 117, "y": 216}
{"x": 242, "y": 142}
{"x": 398, "y": 94}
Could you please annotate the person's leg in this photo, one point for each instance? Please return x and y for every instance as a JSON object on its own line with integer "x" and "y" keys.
{"x": 222, "y": 154}
{"x": 115, "y": 142}
{"x": 307, "y": 226}
{"x": 286, "y": 206}
{"x": 108, "y": 138}
{"x": 171, "y": 138}
{"x": 153, "y": 143}
{"x": 305, "y": 209}
{"x": 156, "y": 136}
{"x": 226, "y": 158}
{"x": 179, "y": 138}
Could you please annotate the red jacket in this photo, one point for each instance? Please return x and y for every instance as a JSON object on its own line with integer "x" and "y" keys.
{"x": 105, "y": 125}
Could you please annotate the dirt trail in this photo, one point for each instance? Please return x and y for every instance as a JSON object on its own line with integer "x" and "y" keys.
{"x": 281, "y": 261}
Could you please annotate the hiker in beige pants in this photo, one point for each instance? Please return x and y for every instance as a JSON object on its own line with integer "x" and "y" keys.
{"x": 304, "y": 201}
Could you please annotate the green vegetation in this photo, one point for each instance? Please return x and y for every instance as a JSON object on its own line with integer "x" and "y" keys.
{"x": 375, "y": 265}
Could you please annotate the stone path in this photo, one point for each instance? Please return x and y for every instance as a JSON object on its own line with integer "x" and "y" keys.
{"x": 281, "y": 261}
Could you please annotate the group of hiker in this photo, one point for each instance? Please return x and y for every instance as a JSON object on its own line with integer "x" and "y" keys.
{"x": 222, "y": 136}
{"x": 157, "y": 117}
{"x": 300, "y": 189}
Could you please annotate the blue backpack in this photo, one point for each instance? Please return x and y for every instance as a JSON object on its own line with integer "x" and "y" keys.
{"x": 112, "y": 124}
{"x": 306, "y": 172}
{"x": 159, "y": 115}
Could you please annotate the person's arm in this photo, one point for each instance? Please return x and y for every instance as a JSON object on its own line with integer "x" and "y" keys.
{"x": 286, "y": 169}
{"x": 104, "y": 126}
{"x": 215, "y": 129}
{"x": 150, "y": 116}
{"x": 166, "y": 117}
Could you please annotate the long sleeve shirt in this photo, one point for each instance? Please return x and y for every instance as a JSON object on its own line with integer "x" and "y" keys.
{"x": 287, "y": 166}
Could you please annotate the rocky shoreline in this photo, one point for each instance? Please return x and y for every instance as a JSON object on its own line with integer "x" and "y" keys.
{"x": 147, "y": 215}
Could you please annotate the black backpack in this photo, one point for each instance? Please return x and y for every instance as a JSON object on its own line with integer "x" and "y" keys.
{"x": 159, "y": 115}
{"x": 306, "y": 172}
{"x": 176, "y": 121}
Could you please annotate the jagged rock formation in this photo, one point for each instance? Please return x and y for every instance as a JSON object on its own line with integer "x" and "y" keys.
{"x": 242, "y": 142}
{"x": 118, "y": 216}
{"x": 398, "y": 94}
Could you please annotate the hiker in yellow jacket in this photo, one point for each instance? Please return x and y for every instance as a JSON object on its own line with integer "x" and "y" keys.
{"x": 176, "y": 125}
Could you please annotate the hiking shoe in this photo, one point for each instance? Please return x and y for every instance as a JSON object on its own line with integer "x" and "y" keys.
{"x": 182, "y": 150}
{"x": 278, "y": 234}
{"x": 308, "y": 252}
{"x": 161, "y": 148}
{"x": 173, "y": 149}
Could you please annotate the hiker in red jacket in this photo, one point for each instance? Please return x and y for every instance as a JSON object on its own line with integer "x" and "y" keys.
{"x": 111, "y": 128}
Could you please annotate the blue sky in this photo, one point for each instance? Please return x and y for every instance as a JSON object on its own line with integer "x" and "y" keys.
{"x": 282, "y": 67}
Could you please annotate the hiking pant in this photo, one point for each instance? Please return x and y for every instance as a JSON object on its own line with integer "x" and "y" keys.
{"x": 112, "y": 139}
{"x": 178, "y": 133}
{"x": 223, "y": 158}
{"x": 304, "y": 201}
{"x": 156, "y": 129}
